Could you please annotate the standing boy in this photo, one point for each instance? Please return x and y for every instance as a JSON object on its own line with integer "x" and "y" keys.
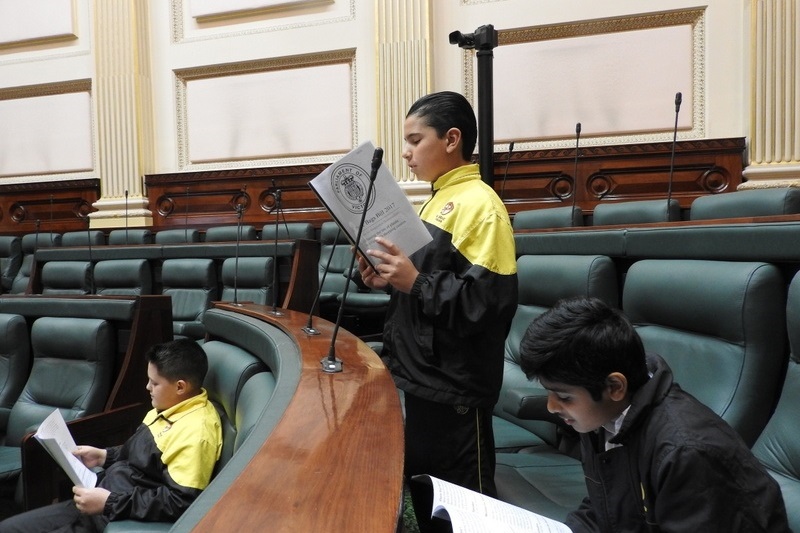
{"x": 161, "y": 469}
{"x": 654, "y": 458}
{"x": 452, "y": 301}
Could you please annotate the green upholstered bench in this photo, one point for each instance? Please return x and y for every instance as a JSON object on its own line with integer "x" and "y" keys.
{"x": 747, "y": 203}
{"x": 253, "y": 368}
{"x": 720, "y": 326}
{"x": 543, "y": 280}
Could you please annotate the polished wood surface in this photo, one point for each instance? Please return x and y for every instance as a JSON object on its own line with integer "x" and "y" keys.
{"x": 50, "y": 206}
{"x": 334, "y": 462}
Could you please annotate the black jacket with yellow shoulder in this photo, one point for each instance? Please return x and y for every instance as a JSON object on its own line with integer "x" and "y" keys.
{"x": 164, "y": 466}
{"x": 444, "y": 340}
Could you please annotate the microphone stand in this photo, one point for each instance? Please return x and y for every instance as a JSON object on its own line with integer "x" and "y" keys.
{"x": 239, "y": 211}
{"x": 186, "y": 218}
{"x": 678, "y": 100}
{"x": 331, "y": 364}
{"x": 275, "y": 291}
{"x": 89, "y": 243}
{"x": 309, "y": 328}
{"x": 126, "y": 216}
{"x": 575, "y": 173}
{"x": 505, "y": 174}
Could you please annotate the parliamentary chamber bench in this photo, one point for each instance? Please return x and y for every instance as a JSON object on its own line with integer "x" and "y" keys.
{"x": 303, "y": 449}
{"x": 718, "y": 298}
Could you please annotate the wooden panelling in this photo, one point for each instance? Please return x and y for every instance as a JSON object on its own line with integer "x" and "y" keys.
{"x": 208, "y": 198}
{"x": 544, "y": 178}
{"x": 56, "y": 206}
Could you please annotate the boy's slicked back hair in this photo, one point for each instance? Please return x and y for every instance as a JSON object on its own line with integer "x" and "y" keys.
{"x": 581, "y": 341}
{"x": 444, "y": 110}
{"x": 180, "y": 359}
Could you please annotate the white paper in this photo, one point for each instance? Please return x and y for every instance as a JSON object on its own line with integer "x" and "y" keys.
{"x": 342, "y": 189}
{"x": 57, "y": 440}
{"x": 472, "y": 512}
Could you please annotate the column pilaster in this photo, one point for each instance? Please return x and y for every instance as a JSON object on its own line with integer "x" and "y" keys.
{"x": 774, "y": 155}
{"x": 123, "y": 96}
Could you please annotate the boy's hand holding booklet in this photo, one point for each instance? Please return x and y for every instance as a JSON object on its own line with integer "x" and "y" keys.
{"x": 57, "y": 440}
{"x": 472, "y": 512}
{"x": 342, "y": 189}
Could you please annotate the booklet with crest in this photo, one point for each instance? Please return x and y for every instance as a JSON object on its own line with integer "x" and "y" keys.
{"x": 342, "y": 189}
{"x": 57, "y": 440}
{"x": 468, "y": 511}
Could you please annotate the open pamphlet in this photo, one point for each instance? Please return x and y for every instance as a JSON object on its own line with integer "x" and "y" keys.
{"x": 57, "y": 440}
{"x": 472, "y": 512}
{"x": 342, "y": 189}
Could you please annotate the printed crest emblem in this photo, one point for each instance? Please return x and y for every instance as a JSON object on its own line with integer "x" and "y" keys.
{"x": 448, "y": 207}
{"x": 350, "y": 183}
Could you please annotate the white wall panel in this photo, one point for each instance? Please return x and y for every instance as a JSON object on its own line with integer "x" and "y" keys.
{"x": 26, "y": 20}
{"x": 270, "y": 114}
{"x": 46, "y": 134}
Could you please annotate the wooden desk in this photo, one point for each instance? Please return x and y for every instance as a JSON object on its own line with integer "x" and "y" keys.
{"x": 334, "y": 461}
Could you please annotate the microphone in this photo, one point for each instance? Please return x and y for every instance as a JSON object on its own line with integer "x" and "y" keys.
{"x": 89, "y": 243}
{"x": 36, "y": 239}
{"x": 575, "y": 173}
{"x": 331, "y": 364}
{"x": 239, "y": 215}
{"x": 51, "y": 220}
{"x": 186, "y": 218}
{"x": 505, "y": 174}
{"x": 276, "y": 195}
{"x": 126, "y": 216}
{"x": 309, "y": 328}
{"x": 678, "y": 100}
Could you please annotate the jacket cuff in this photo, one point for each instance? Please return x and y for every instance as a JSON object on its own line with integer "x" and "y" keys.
{"x": 416, "y": 288}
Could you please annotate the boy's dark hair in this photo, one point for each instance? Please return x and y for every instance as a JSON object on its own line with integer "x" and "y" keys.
{"x": 180, "y": 359}
{"x": 444, "y": 110}
{"x": 581, "y": 341}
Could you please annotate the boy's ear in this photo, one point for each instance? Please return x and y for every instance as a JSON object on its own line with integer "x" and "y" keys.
{"x": 617, "y": 386}
{"x": 453, "y": 137}
{"x": 182, "y": 386}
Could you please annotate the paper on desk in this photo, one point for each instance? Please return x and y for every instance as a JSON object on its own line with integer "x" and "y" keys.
{"x": 57, "y": 440}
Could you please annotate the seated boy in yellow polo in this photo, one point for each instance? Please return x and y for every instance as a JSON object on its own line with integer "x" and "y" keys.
{"x": 161, "y": 469}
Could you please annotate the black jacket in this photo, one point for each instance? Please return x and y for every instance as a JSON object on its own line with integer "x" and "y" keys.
{"x": 444, "y": 341}
{"x": 680, "y": 468}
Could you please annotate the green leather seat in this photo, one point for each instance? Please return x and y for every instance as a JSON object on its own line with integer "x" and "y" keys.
{"x": 67, "y": 277}
{"x": 83, "y": 238}
{"x": 778, "y": 446}
{"x": 250, "y": 281}
{"x": 177, "y": 236}
{"x": 15, "y": 354}
{"x": 288, "y": 230}
{"x": 552, "y": 217}
{"x": 334, "y": 264}
{"x": 718, "y": 324}
{"x": 130, "y": 277}
{"x": 192, "y": 285}
{"x": 30, "y": 243}
{"x": 130, "y": 236}
{"x": 228, "y": 233}
{"x": 543, "y": 280}
{"x": 73, "y": 363}
{"x": 746, "y": 203}
{"x": 636, "y": 212}
{"x": 10, "y": 260}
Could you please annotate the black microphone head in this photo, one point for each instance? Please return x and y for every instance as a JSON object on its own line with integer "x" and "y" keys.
{"x": 578, "y": 128}
{"x": 678, "y": 100}
{"x": 126, "y": 193}
{"x": 377, "y": 157}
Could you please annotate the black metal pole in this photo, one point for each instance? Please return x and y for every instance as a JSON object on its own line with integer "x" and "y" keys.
{"x": 484, "y": 40}
{"x": 486, "y": 115}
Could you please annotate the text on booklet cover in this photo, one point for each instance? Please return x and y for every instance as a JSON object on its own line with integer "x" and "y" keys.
{"x": 342, "y": 189}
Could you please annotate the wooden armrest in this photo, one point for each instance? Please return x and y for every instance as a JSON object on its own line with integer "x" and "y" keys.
{"x": 43, "y": 480}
